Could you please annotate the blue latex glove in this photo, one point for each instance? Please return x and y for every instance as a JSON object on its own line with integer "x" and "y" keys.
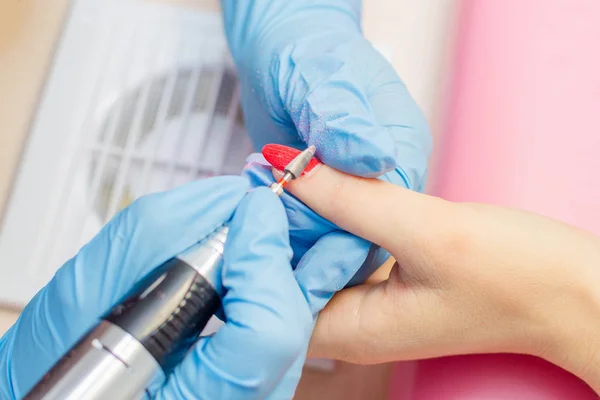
{"x": 309, "y": 77}
{"x": 268, "y": 320}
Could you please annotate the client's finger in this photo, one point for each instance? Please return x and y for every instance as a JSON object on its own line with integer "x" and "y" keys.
{"x": 385, "y": 214}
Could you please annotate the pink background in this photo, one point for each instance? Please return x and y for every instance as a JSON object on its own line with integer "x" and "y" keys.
{"x": 523, "y": 130}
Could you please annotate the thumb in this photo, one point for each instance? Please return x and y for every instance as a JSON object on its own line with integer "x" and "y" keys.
{"x": 390, "y": 216}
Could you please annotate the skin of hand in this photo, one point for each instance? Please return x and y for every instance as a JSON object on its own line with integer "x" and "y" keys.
{"x": 308, "y": 76}
{"x": 468, "y": 278}
{"x": 268, "y": 319}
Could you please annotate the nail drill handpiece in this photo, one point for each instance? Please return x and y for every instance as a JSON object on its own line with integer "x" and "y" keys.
{"x": 147, "y": 334}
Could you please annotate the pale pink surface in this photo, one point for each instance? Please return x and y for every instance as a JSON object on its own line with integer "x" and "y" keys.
{"x": 523, "y": 130}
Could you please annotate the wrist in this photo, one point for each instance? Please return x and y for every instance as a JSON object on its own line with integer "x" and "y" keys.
{"x": 588, "y": 355}
{"x": 575, "y": 342}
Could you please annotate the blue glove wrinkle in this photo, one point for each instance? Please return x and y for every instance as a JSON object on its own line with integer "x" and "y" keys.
{"x": 329, "y": 265}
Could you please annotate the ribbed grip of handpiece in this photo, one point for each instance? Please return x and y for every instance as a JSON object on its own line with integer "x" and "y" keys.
{"x": 168, "y": 310}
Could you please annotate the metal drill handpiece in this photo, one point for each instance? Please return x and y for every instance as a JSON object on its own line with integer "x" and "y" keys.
{"x": 294, "y": 169}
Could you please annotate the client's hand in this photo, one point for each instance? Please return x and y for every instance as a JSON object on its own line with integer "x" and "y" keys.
{"x": 469, "y": 278}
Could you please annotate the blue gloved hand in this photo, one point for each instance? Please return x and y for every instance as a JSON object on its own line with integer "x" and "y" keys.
{"x": 309, "y": 77}
{"x": 268, "y": 320}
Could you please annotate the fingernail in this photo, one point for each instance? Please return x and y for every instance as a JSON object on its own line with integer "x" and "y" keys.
{"x": 279, "y": 156}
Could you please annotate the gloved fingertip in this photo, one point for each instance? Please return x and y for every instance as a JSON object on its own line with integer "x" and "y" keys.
{"x": 262, "y": 207}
